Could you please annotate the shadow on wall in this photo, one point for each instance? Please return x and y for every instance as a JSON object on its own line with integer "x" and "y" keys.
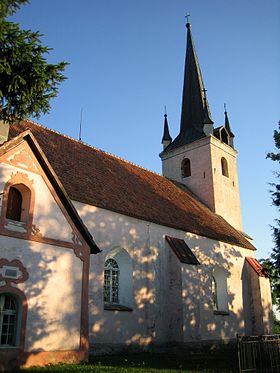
{"x": 52, "y": 290}
{"x": 172, "y": 301}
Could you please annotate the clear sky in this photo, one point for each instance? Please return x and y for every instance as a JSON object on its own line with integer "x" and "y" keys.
{"x": 126, "y": 63}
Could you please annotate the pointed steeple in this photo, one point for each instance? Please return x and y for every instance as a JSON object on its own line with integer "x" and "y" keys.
{"x": 166, "y": 138}
{"x": 194, "y": 103}
{"x": 195, "y": 116}
{"x": 227, "y": 127}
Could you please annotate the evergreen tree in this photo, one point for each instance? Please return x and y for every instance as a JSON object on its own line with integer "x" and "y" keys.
{"x": 274, "y": 261}
{"x": 27, "y": 81}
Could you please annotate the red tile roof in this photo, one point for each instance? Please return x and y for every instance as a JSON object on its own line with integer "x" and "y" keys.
{"x": 257, "y": 267}
{"x": 94, "y": 177}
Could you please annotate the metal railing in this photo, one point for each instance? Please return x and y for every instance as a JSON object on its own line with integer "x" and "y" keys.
{"x": 259, "y": 354}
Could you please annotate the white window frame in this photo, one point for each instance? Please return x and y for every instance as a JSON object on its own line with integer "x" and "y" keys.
{"x": 8, "y": 337}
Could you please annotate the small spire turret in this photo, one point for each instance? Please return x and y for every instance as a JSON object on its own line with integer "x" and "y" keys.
{"x": 227, "y": 127}
{"x": 207, "y": 121}
{"x": 166, "y": 138}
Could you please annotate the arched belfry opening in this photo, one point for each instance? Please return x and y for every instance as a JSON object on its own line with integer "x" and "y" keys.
{"x": 186, "y": 167}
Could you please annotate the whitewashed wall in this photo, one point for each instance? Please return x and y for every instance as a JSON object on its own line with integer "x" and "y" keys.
{"x": 172, "y": 301}
{"x": 53, "y": 289}
{"x": 53, "y": 292}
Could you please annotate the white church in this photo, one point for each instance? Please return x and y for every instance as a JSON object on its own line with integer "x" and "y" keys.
{"x": 98, "y": 255}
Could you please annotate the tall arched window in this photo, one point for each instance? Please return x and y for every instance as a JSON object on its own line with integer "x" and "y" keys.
{"x": 186, "y": 167}
{"x": 224, "y": 166}
{"x": 111, "y": 281}
{"x": 219, "y": 290}
{"x": 14, "y": 206}
{"x": 214, "y": 294}
{"x": 8, "y": 320}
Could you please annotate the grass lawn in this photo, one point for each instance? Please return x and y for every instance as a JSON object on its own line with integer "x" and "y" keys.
{"x": 150, "y": 363}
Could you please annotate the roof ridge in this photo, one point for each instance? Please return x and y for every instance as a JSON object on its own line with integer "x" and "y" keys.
{"x": 92, "y": 147}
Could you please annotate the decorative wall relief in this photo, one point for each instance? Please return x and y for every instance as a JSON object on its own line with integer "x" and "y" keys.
{"x": 12, "y": 272}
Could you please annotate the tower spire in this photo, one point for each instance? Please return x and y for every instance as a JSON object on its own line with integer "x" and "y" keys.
{"x": 166, "y": 138}
{"x": 227, "y": 126}
{"x": 196, "y": 119}
{"x": 195, "y": 107}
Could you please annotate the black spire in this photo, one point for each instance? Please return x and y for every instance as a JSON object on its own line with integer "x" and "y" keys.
{"x": 195, "y": 108}
{"x": 227, "y": 127}
{"x": 166, "y": 138}
{"x": 207, "y": 116}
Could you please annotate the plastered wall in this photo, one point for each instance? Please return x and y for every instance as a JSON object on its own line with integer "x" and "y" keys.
{"x": 171, "y": 301}
{"x": 218, "y": 192}
{"x": 53, "y": 292}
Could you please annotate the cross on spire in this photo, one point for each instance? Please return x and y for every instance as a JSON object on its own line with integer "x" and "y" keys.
{"x": 188, "y": 17}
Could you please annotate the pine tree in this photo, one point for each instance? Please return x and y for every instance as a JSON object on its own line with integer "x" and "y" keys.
{"x": 28, "y": 82}
{"x": 275, "y": 256}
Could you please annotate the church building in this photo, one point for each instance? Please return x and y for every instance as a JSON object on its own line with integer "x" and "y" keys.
{"x": 98, "y": 255}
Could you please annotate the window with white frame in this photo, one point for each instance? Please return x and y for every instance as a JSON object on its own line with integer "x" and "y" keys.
{"x": 8, "y": 320}
{"x": 111, "y": 281}
{"x": 118, "y": 280}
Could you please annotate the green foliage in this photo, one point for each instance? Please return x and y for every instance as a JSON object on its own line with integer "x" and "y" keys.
{"x": 8, "y": 7}
{"x": 270, "y": 268}
{"x": 276, "y": 326}
{"x": 152, "y": 363}
{"x": 28, "y": 82}
{"x": 273, "y": 263}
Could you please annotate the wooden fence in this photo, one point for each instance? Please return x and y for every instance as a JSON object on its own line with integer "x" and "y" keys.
{"x": 259, "y": 354}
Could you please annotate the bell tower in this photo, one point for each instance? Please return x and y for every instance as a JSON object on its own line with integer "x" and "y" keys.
{"x": 203, "y": 157}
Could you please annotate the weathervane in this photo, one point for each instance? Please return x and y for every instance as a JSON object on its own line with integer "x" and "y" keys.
{"x": 188, "y": 16}
{"x": 225, "y": 107}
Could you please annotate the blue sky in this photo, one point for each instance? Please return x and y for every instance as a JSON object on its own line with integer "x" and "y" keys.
{"x": 126, "y": 63}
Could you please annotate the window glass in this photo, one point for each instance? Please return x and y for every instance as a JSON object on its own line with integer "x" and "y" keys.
{"x": 14, "y": 207}
{"x": 8, "y": 320}
{"x": 111, "y": 281}
{"x": 214, "y": 294}
{"x": 219, "y": 290}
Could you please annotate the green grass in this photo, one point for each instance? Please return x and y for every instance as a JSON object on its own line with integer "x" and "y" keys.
{"x": 150, "y": 363}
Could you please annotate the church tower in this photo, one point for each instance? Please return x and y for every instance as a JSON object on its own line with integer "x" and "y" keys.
{"x": 202, "y": 157}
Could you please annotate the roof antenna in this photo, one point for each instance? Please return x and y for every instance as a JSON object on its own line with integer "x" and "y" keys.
{"x": 81, "y": 120}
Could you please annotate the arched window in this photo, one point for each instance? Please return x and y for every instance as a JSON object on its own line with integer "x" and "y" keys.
{"x": 18, "y": 204}
{"x": 219, "y": 290}
{"x": 14, "y": 206}
{"x": 224, "y": 166}
{"x": 214, "y": 293}
{"x": 8, "y": 320}
{"x": 118, "y": 280}
{"x": 186, "y": 167}
{"x": 111, "y": 281}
